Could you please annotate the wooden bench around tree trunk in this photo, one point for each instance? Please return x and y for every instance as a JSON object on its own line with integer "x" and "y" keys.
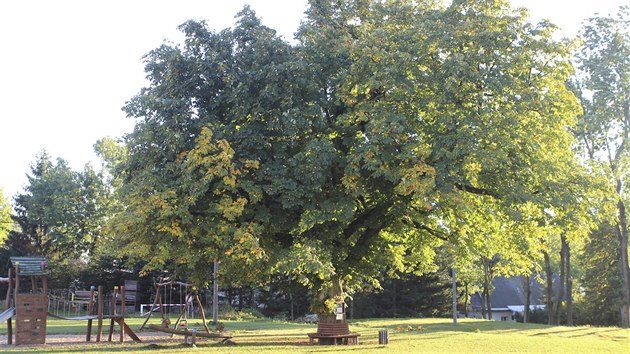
{"x": 334, "y": 333}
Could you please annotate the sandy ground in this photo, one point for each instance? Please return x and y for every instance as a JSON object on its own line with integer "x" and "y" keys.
{"x": 79, "y": 339}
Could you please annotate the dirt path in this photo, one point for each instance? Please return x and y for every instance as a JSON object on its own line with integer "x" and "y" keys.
{"x": 79, "y": 339}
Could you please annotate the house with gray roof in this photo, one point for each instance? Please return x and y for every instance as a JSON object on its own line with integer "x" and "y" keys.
{"x": 508, "y": 298}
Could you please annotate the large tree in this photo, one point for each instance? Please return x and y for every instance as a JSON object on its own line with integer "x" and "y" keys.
{"x": 338, "y": 158}
{"x": 59, "y": 215}
{"x": 604, "y": 129}
{"x": 601, "y": 280}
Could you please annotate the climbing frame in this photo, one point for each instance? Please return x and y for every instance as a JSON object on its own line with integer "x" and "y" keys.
{"x": 31, "y": 305}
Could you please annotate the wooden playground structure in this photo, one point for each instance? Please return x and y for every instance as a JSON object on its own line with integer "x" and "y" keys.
{"x": 95, "y": 311}
{"x": 181, "y": 324}
{"x": 29, "y": 305}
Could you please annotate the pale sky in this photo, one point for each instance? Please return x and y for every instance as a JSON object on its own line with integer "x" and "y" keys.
{"x": 68, "y": 66}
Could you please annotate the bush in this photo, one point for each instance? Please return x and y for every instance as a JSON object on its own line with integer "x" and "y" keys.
{"x": 227, "y": 312}
{"x": 535, "y": 316}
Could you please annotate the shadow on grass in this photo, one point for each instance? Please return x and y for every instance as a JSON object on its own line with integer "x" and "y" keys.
{"x": 567, "y": 330}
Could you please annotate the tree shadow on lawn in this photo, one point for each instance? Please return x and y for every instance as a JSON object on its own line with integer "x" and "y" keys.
{"x": 444, "y": 327}
{"x": 568, "y": 330}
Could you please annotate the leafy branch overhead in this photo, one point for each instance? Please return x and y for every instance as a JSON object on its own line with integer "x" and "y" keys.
{"x": 343, "y": 156}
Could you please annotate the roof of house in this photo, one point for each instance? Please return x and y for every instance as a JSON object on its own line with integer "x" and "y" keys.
{"x": 510, "y": 292}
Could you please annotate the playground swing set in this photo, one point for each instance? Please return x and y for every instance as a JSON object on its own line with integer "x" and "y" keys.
{"x": 186, "y": 306}
{"x": 29, "y": 307}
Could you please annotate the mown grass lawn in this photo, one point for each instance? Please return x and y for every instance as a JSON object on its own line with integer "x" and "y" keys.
{"x": 406, "y": 336}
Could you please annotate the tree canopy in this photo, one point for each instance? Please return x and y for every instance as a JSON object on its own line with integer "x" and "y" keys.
{"x": 604, "y": 129}
{"x": 351, "y": 153}
{"x": 59, "y": 215}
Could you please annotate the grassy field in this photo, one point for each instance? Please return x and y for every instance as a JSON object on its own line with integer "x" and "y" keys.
{"x": 405, "y": 335}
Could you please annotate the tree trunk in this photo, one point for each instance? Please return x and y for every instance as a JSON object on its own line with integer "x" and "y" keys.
{"x": 466, "y": 300}
{"x": 489, "y": 302}
{"x": 335, "y": 291}
{"x": 528, "y": 295}
{"x": 561, "y": 281}
{"x": 394, "y": 295}
{"x": 488, "y": 275}
{"x": 483, "y": 302}
{"x": 454, "y": 296}
{"x": 622, "y": 235}
{"x": 292, "y": 311}
{"x": 569, "y": 281}
{"x": 215, "y": 293}
{"x": 549, "y": 288}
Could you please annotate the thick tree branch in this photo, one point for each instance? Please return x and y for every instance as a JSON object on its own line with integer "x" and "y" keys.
{"x": 435, "y": 233}
{"x": 475, "y": 190}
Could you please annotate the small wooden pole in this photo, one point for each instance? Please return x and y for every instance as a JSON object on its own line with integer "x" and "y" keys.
{"x": 181, "y": 314}
{"x": 44, "y": 279}
{"x": 17, "y": 280}
{"x": 122, "y": 313}
{"x": 99, "y": 331}
{"x": 113, "y": 314}
{"x": 88, "y": 335}
{"x": 162, "y": 309}
{"x": 8, "y": 304}
{"x": 215, "y": 293}
{"x": 155, "y": 301}
{"x": 203, "y": 313}
{"x": 9, "y": 288}
{"x": 9, "y": 331}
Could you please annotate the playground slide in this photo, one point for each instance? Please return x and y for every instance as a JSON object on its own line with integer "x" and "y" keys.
{"x": 8, "y": 313}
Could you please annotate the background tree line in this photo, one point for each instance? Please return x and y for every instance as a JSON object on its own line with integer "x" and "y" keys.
{"x": 392, "y": 141}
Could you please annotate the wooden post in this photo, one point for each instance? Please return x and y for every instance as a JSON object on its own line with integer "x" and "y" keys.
{"x": 179, "y": 318}
{"x": 88, "y": 335}
{"x": 113, "y": 315}
{"x": 9, "y": 288}
{"x": 215, "y": 294}
{"x": 17, "y": 281}
{"x": 122, "y": 313}
{"x": 99, "y": 330}
{"x": 162, "y": 309}
{"x": 9, "y": 331}
{"x": 155, "y": 301}
{"x": 44, "y": 279}
{"x": 203, "y": 313}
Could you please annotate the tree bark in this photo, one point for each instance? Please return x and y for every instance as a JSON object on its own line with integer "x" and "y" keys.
{"x": 569, "y": 281}
{"x": 466, "y": 300}
{"x": 484, "y": 294}
{"x": 622, "y": 235}
{"x": 528, "y": 295}
{"x": 489, "y": 302}
{"x": 454, "y": 296}
{"x": 488, "y": 275}
{"x": 549, "y": 288}
{"x": 215, "y": 294}
{"x": 394, "y": 295}
{"x": 561, "y": 281}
